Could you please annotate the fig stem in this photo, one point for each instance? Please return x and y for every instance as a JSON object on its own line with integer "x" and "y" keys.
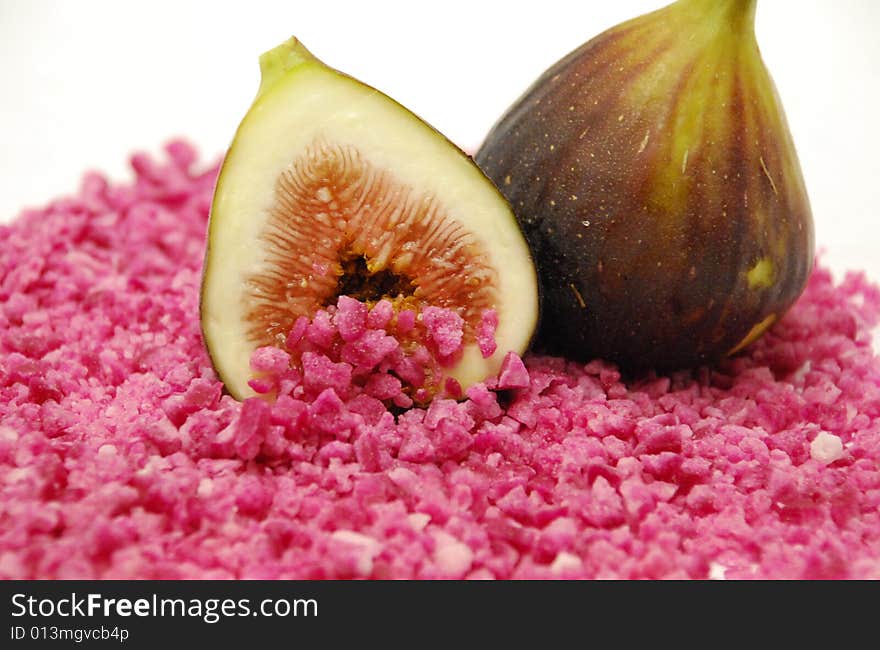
{"x": 280, "y": 60}
{"x": 740, "y": 14}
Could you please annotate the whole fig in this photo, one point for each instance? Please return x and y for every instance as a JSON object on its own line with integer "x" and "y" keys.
{"x": 654, "y": 175}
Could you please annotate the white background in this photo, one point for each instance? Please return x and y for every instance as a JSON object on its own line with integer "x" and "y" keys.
{"x": 82, "y": 84}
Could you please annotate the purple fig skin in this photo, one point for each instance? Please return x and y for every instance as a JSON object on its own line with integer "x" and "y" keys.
{"x": 655, "y": 178}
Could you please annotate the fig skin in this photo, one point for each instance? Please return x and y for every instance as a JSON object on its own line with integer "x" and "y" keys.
{"x": 654, "y": 175}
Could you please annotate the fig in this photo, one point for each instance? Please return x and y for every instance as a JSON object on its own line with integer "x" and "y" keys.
{"x": 654, "y": 174}
{"x": 331, "y": 188}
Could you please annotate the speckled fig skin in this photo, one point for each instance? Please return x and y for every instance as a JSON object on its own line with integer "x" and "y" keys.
{"x": 654, "y": 175}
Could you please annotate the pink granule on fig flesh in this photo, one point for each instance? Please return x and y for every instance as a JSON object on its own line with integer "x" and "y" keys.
{"x": 121, "y": 457}
{"x": 350, "y": 349}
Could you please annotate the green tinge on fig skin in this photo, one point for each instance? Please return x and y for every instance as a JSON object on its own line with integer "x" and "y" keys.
{"x": 655, "y": 177}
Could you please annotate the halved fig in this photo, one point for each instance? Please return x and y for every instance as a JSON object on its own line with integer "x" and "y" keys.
{"x": 332, "y": 188}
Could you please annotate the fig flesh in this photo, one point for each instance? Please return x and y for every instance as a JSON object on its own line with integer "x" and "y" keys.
{"x": 331, "y": 188}
{"x": 655, "y": 177}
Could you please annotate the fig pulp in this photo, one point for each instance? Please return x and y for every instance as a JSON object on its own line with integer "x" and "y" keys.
{"x": 331, "y": 188}
{"x": 655, "y": 178}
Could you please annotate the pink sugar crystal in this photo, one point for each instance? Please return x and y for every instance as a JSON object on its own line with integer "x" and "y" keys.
{"x": 445, "y": 330}
{"x": 380, "y": 315}
{"x": 120, "y": 457}
{"x": 486, "y": 333}
{"x": 297, "y": 332}
{"x": 321, "y": 331}
{"x": 513, "y": 372}
{"x": 370, "y": 349}
{"x": 270, "y": 360}
{"x": 383, "y": 386}
{"x": 351, "y": 318}
{"x": 406, "y": 320}
{"x": 319, "y": 372}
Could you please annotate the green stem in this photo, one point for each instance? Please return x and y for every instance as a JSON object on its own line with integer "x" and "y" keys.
{"x": 275, "y": 63}
{"x": 739, "y": 14}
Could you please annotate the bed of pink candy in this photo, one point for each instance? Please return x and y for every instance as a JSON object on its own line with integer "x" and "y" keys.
{"x": 121, "y": 457}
